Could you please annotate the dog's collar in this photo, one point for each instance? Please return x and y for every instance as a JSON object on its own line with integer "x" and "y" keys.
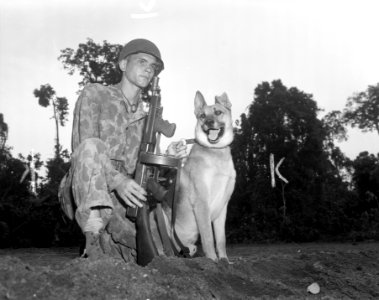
{"x": 190, "y": 141}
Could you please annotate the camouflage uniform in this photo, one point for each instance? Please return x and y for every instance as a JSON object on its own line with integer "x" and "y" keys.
{"x": 106, "y": 138}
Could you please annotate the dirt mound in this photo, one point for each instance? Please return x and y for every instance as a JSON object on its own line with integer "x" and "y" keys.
{"x": 272, "y": 272}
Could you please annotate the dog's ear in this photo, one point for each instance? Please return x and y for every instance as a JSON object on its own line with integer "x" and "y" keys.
{"x": 199, "y": 103}
{"x": 224, "y": 100}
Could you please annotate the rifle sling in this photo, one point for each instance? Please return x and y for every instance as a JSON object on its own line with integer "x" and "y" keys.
{"x": 184, "y": 250}
{"x": 168, "y": 250}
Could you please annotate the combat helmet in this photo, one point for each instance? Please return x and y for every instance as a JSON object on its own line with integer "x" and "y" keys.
{"x": 142, "y": 46}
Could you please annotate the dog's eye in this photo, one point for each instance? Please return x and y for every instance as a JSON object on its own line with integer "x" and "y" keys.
{"x": 218, "y": 112}
{"x": 202, "y": 116}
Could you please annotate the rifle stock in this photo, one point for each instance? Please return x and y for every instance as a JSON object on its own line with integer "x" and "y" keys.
{"x": 147, "y": 166}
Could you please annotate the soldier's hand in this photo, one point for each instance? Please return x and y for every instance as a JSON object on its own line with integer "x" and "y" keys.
{"x": 177, "y": 149}
{"x": 131, "y": 192}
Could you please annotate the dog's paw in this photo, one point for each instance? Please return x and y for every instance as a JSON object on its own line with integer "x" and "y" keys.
{"x": 225, "y": 261}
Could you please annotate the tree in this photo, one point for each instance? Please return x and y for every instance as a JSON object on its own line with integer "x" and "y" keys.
{"x": 362, "y": 110}
{"x": 11, "y": 170}
{"x": 24, "y": 216}
{"x": 365, "y": 211}
{"x": 366, "y": 176}
{"x": 11, "y": 173}
{"x": 3, "y": 132}
{"x": 56, "y": 167}
{"x": 336, "y": 130}
{"x": 46, "y": 96}
{"x": 283, "y": 121}
{"x": 96, "y": 63}
{"x": 335, "y": 126}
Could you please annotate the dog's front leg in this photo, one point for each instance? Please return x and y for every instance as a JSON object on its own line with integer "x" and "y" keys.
{"x": 204, "y": 223}
{"x": 219, "y": 231}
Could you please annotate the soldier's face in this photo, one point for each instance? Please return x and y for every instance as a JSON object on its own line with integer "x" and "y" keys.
{"x": 140, "y": 68}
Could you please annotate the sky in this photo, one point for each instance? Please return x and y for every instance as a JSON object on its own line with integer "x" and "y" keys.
{"x": 325, "y": 48}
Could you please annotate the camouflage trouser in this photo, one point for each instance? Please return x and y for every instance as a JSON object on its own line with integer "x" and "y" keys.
{"x": 87, "y": 179}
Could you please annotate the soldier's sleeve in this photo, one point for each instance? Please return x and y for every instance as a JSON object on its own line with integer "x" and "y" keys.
{"x": 86, "y": 125}
{"x": 86, "y": 116}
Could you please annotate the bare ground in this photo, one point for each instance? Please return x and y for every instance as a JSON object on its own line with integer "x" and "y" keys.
{"x": 343, "y": 271}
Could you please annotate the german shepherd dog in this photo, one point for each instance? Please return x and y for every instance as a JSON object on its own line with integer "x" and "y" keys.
{"x": 207, "y": 180}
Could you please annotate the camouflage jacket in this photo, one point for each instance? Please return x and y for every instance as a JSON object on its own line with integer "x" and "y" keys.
{"x": 101, "y": 112}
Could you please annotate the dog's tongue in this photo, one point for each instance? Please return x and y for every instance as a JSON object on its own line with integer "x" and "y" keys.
{"x": 213, "y": 134}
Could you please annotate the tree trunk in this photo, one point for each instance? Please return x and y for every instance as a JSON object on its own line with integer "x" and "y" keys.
{"x": 57, "y": 145}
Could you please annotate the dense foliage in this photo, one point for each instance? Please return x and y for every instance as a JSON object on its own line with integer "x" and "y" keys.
{"x": 26, "y": 219}
{"x": 318, "y": 201}
{"x": 96, "y": 63}
{"x": 327, "y": 196}
{"x": 362, "y": 109}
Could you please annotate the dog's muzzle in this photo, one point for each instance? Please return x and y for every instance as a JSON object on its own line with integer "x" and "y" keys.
{"x": 214, "y": 134}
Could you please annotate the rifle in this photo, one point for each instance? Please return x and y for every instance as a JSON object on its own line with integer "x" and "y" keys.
{"x": 148, "y": 166}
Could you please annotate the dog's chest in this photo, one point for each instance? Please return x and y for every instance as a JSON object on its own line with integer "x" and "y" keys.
{"x": 212, "y": 172}
{"x": 216, "y": 163}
